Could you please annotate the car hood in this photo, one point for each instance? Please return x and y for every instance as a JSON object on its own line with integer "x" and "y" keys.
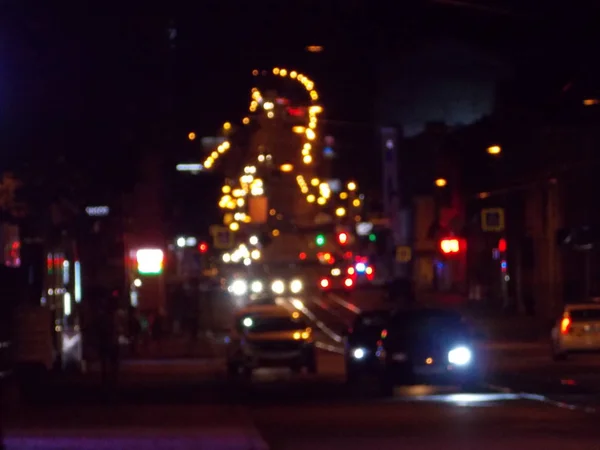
{"x": 274, "y": 335}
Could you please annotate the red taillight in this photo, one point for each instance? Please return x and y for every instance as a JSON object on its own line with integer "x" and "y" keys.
{"x": 565, "y": 325}
{"x": 324, "y": 283}
{"x": 348, "y": 282}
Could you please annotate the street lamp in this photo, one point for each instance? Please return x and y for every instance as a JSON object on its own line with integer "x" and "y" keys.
{"x": 441, "y": 182}
{"x": 494, "y": 150}
{"x": 314, "y": 48}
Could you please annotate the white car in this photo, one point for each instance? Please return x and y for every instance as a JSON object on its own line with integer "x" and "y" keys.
{"x": 576, "y": 331}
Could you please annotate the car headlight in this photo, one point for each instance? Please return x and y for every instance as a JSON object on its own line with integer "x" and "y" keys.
{"x": 359, "y": 353}
{"x": 304, "y": 335}
{"x": 238, "y": 287}
{"x": 296, "y": 286}
{"x": 278, "y": 287}
{"x": 256, "y": 287}
{"x": 459, "y": 356}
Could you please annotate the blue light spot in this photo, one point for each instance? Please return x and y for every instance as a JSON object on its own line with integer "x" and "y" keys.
{"x": 328, "y": 151}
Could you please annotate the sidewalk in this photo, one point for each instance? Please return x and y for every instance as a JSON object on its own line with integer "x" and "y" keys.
{"x": 69, "y": 427}
{"x": 132, "y": 439}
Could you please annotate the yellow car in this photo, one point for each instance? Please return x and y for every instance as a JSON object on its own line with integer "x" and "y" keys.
{"x": 268, "y": 335}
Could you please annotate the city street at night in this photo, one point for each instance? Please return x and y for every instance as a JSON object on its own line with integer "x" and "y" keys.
{"x": 300, "y": 225}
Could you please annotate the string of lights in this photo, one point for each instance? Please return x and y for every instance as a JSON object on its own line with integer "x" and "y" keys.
{"x": 250, "y": 183}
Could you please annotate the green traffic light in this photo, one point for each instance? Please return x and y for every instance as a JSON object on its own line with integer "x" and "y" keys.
{"x": 320, "y": 240}
{"x": 372, "y": 237}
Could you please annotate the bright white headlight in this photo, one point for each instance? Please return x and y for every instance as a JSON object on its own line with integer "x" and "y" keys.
{"x": 359, "y": 353}
{"x": 238, "y": 287}
{"x": 296, "y": 286}
{"x": 459, "y": 356}
{"x": 278, "y": 287}
{"x": 256, "y": 287}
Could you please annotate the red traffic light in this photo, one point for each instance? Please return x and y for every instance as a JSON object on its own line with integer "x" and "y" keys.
{"x": 343, "y": 238}
{"x": 502, "y": 245}
{"x": 203, "y": 247}
{"x": 450, "y": 245}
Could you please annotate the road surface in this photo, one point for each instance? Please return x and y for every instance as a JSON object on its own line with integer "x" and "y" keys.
{"x": 276, "y": 410}
{"x": 527, "y": 400}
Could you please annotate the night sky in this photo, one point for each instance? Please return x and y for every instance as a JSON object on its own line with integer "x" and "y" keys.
{"x": 92, "y": 84}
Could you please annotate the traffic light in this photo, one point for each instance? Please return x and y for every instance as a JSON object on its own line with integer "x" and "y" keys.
{"x": 203, "y": 247}
{"x": 320, "y": 240}
{"x": 502, "y": 245}
{"x": 372, "y": 237}
{"x": 343, "y": 238}
{"x": 450, "y": 245}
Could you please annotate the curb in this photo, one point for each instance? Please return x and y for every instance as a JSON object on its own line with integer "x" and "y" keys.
{"x": 343, "y": 303}
{"x": 542, "y": 399}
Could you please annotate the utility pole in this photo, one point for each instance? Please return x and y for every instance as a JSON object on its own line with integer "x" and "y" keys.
{"x": 392, "y": 201}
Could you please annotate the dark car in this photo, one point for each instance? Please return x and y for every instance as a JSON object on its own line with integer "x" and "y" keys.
{"x": 362, "y": 341}
{"x": 428, "y": 345}
{"x": 266, "y": 335}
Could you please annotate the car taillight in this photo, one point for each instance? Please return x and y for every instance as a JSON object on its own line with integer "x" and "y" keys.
{"x": 565, "y": 325}
{"x": 324, "y": 283}
{"x": 348, "y": 282}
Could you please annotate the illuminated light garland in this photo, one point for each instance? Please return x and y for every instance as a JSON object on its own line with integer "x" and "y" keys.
{"x": 233, "y": 198}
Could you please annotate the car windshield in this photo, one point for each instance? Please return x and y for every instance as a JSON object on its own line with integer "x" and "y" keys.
{"x": 371, "y": 321}
{"x": 428, "y": 324}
